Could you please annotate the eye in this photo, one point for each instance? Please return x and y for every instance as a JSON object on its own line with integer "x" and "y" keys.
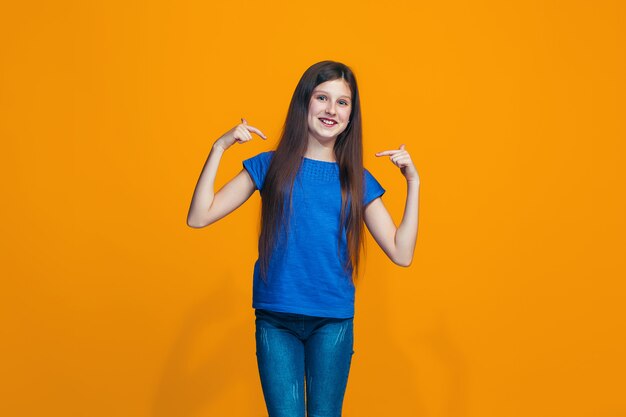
{"x": 343, "y": 102}
{"x": 321, "y": 97}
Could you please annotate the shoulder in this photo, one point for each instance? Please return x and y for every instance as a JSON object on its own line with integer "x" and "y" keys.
{"x": 261, "y": 160}
{"x": 257, "y": 167}
{"x": 262, "y": 157}
{"x": 373, "y": 189}
{"x": 369, "y": 177}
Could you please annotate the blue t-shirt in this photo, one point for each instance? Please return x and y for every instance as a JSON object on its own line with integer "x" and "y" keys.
{"x": 306, "y": 274}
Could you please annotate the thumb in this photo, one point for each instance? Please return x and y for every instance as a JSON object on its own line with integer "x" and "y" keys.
{"x": 402, "y": 147}
{"x": 244, "y": 121}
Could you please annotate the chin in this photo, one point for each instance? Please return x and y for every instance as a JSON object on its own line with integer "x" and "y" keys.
{"x": 329, "y": 138}
{"x": 334, "y": 134}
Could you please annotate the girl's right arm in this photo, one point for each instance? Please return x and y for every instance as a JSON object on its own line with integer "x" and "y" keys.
{"x": 207, "y": 206}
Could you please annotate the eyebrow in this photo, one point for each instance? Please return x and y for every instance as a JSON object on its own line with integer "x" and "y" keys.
{"x": 322, "y": 91}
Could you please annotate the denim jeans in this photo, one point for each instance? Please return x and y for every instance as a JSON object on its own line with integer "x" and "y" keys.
{"x": 298, "y": 354}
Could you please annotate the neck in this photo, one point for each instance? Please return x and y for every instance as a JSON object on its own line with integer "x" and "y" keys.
{"x": 322, "y": 151}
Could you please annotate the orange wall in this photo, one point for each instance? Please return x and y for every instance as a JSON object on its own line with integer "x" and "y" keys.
{"x": 513, "y": 112}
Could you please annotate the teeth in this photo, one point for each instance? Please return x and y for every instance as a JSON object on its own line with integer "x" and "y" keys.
{"x": 327, "y": 122}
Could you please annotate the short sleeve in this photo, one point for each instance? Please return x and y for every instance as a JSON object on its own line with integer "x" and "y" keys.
{"x": 373, "y": 189}
{"x": 257, "y": 167}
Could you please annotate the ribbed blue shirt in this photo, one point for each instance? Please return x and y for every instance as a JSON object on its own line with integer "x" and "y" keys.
{"x": 306, "y": 274}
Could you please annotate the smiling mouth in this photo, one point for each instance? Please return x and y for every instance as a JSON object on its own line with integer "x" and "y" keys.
{"x": 328, "y": 122}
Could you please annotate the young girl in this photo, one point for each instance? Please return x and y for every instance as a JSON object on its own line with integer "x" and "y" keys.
{"x": 315, "y": 196}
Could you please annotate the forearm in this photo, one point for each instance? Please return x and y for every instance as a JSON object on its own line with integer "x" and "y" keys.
{"x": 406, "y": 234}
{"x": 204, "y": 192}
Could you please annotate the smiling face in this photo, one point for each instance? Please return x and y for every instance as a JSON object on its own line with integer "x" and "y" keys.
{"x": 329, "y": 110}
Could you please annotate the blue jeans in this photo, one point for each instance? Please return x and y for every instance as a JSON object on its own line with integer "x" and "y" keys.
{"x": 298, "y": 354}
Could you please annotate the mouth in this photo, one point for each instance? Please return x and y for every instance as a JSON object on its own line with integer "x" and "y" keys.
{"x": 328, "y": 122}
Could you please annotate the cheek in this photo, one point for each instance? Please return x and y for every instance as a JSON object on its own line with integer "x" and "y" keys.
{"x": 314, "y": 108}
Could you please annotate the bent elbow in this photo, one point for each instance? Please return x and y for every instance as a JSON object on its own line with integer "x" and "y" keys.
{"x": 196, "y": 224}
{"x": 403, "y": 262}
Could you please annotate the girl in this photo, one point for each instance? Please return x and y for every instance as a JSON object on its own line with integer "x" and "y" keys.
{"x": 315, "y": 196}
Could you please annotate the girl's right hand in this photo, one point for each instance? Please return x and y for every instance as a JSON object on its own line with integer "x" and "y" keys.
{"x": 239, "y": 134}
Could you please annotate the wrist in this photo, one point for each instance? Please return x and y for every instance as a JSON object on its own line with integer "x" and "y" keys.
{"x": 219, "y": 145}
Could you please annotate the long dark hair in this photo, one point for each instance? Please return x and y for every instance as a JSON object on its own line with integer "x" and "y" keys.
{"x": 288, "y": 157}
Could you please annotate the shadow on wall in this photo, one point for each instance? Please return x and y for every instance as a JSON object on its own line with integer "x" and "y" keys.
{"x": 382, "y": 380}
{"x": 206, "y": 357}
{"x": 409, "y": 375}
{"x": 411, "y": 370}
{"x": 446, "y": 360}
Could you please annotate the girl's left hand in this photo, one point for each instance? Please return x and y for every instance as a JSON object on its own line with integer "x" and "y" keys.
{"x": 402, "y": 159}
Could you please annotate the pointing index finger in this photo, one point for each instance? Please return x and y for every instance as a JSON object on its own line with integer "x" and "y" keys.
{"x": 257, "y": 131}
{"x": 389, "y": 152}
{"x": 252, "y": 128}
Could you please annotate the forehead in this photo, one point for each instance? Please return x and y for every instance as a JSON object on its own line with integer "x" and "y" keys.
{"x": 338, "y": 87}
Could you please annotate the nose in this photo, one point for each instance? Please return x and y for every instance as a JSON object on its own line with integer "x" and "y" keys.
{"x": 330, "y": 108}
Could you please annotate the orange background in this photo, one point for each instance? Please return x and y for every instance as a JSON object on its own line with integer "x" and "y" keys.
{"x": 513, "y": 113}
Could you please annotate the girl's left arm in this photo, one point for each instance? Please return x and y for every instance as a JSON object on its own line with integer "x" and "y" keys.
{"x": 397, "y": 242}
